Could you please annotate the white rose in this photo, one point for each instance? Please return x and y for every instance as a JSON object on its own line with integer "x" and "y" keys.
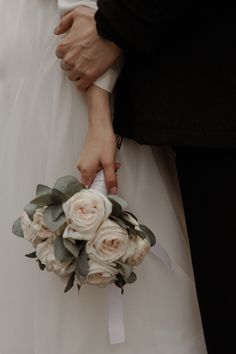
{"x": 137, "y": 250}
{"x": 109, "y": 244}
{"x": 100, "y": 273}
{"x": 85, "y": 212}
{"x": 45, "y": 253}
{"x": 36, "y": 231}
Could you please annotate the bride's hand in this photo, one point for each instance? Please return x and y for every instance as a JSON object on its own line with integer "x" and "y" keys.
{"x": 99, "y": 153}
{"x": 99, "y": 148}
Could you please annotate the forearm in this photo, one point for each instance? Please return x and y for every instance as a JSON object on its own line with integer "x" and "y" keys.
{"x": 99, "y": 108}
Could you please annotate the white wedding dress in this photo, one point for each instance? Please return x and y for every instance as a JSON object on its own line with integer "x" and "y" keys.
{"x": 43, "y": 121}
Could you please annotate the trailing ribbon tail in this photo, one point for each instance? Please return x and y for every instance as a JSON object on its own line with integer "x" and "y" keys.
{"x": 114, "y": 298}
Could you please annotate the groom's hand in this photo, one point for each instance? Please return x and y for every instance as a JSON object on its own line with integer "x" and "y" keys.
{"x": 84, "y": 55}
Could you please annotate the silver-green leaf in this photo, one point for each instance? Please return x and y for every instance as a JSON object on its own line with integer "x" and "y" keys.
{"x": 31, "y": 255}
{"x": 70, "y": 282}
{"x": 54, "y": 217}
{"x": 68, "y": 185}
{"x": 61, "y": 253}
{"x": 41, "y": 189}
{"x": 148, "y": 234}
{"x": 117, "y": 199}
{"x": 73, "y": 248}
{"x": 132, "y": 278}
{"x": 125, "y": 270}
{"x": 30, "y": 210}
{"x": 17, "y": 228}
{"x": 82, "y": 265}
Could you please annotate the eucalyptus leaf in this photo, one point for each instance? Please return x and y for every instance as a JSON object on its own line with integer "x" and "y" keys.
{"x": 127, "y": 222}
{"x": 30, "y": 209}
{"x": 132, "y": 232}
{"x": 149, "y": 234}
{"x": 120, "y": 222}
{"x": 55, "y": 212}
{"x": 31, "y": 255}
{"x": 58, "y": 197}
{"x": 73, "y": 248}
{"x": 61, "y": 253}
{"x": 117, "y": 199}
{"x": 120, "y": 282}
{"x": 68, "y": 185}
{"x": 54, "y": 217}
{"x": 41, "y": 189}
{"x": 116, "y": 208}
{"x": 125, "y": 269}
{"x": 17, "y": 228}
{"x": 81, "y": 264}
{"x": 132, "y": 278}
{"x": 141, "y": 234}
{"x": 78, "y": 287}
{"x": 70, "y": 282}
{"x": 43, "y": 200}
{"x": 41, "y": 265}
{"x": 127, "y": 213}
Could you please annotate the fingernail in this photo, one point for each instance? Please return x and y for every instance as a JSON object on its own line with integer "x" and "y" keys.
{"x": 56, "y": 30}
{"x": 114, "y": 190}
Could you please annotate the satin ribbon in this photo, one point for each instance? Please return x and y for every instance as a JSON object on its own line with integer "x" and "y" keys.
{"x": 114, "y": 299}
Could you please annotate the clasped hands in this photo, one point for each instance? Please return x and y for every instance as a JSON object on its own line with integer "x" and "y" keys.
{"x": 85, "y": 56}
{"x": 83, "y": 53}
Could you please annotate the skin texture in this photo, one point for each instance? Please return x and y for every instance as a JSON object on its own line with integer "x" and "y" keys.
{"x": 99, "y": 148}
{"x": 83, "y": 53}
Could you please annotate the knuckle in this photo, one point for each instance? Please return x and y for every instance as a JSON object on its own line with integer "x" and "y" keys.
{"x": 60, "y": 49}
{"x": 68, "y": 62}
{"x": 89, "y": 75}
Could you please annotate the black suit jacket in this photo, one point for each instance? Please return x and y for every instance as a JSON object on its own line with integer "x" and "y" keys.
{"x": 178, "y": 85}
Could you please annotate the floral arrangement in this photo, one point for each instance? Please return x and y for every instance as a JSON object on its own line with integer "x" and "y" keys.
{"x": 83, "y": 235}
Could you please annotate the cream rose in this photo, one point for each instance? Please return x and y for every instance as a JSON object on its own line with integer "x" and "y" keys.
{"x": 137, "y": 250}
{"x": 36, "y": 231}
{"x": 100, "y": 273}
{"x": 85, "y": 212}
{"x": 45, "y": 253}
{"x": 109, "y": 244}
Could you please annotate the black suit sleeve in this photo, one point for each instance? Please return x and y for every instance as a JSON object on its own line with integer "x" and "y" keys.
{"x": 138, "y": 25}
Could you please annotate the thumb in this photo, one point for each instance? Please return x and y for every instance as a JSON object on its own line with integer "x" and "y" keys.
{"x": 65, "y": 24}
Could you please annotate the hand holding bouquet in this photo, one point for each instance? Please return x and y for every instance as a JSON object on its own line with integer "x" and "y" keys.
{"x": 83, "y": 235}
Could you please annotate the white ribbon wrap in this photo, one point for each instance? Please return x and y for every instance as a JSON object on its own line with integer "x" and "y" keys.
{"x": 115, "y": 307}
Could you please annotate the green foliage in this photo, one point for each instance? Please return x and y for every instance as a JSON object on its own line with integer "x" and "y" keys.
{"x": 116, "y": 199}
{"x": 116, "y": 208}
{"x": 120, "y": 282}
{"x": 17, "y": 228}
{"x": 132, "y": 278}
{"x": 70, "y": 282}
{"x": 60, "y": 251}
{"x": 41, "y": 189}
{"x": 30, "y": 209}
{"x": 125, "y": 269}
{"x": 31, "y": 255}
{"x": 68, "y": 185}
{"x": 73, "y": 248}
{"x": 54, "y": 217}
{"x": 81, "y": 264}
{"x": 147, "y": 233}
{"x": 41, "y": 265}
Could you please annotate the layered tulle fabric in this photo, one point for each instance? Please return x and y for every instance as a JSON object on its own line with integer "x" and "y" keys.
{"x": 43, "y": 120}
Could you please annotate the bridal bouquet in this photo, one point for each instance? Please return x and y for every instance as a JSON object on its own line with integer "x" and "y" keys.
{"x": 83, "y": 235}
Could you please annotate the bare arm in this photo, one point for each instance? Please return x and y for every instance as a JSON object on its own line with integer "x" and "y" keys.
{"x": 100, "y": 143}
